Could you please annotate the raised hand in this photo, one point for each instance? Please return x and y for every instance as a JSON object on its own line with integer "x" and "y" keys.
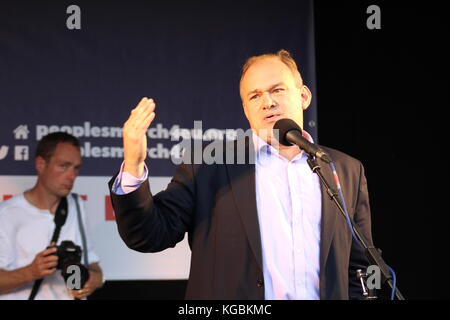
{"x": 135, "y": 136}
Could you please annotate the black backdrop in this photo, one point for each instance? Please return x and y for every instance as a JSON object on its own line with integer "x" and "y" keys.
{"x": 382, "y": 97}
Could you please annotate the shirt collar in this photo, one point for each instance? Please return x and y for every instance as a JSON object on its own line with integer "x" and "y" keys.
{"x": 262, "y": 147}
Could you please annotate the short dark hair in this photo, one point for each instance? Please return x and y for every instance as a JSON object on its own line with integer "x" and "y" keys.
{"x": 47, "y": 145}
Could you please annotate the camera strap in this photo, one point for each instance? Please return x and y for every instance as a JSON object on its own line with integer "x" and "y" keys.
{"x": 83, "y": 234}
{"x": 60, "y": 219}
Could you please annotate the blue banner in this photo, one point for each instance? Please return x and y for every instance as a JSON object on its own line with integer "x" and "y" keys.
{"x": 82, "y": 69}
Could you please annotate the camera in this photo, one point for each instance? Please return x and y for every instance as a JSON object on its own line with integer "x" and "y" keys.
{"x": 69, "y": 254}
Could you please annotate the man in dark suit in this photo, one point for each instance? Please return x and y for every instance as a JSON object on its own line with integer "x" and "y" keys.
{"x": 262, "y": 229}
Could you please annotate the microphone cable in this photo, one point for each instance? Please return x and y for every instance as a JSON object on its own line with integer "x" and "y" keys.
{"x": 350, "y": 225}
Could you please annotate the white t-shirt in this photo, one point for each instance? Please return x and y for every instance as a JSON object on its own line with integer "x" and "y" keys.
{"x": 25, "y": 231}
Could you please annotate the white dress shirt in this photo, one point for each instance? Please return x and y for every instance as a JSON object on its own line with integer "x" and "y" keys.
{"x": 289, "y": 208}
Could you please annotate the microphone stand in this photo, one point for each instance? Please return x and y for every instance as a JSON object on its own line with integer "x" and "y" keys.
{"x": 373, "y": 254}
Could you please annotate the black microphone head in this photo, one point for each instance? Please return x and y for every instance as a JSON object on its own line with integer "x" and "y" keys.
{"x": 284, "y": 126}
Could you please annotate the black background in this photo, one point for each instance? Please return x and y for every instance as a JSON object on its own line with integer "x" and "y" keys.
{"x": 382, "y": 99}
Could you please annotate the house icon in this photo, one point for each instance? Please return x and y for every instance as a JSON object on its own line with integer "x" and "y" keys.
{"x": 21, "y": 132}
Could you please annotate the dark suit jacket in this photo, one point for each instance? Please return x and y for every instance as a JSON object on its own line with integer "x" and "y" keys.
{"x": 216, "y": 205}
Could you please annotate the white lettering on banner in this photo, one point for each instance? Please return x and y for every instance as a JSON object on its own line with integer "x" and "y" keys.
{"x": 157, "y": 132}
{"x": 158, "y": 152}
{"x": 84, "y": 131}
{"x": 21, "y": 153}
{"x": 89, "y": 151}
{"x": 177, "y": 133}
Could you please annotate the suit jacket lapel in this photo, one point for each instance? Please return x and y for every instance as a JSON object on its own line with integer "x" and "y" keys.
{"x": 242, "y": 183}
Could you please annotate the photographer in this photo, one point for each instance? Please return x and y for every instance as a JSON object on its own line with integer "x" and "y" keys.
{"x": 27, "y": 223}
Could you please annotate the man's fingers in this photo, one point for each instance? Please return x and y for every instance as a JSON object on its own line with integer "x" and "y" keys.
{"x": 141, "y": 122}
{"x": 145, "y": 121}
{"x": 148, "y": 120}
{"x": 47, "y": 252}
{"x": 48, "y": 272}
{"x": 140, "y": 114}
{"x": 47, "y": 261}
{"x": 82, "y": 293}
{"x": 49, "y": 265}
{"x": 134, "y": 135}
{"x": 49, "y": 258}
{"x": 141, "y": 103}
{"x": 151, "y": 105}
{"x": 144, "y": 105}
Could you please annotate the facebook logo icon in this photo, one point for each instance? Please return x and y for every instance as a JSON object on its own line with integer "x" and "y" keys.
{"x": 21, "y": 153}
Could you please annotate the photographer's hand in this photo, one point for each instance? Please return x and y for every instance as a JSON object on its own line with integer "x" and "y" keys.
{"x": 44, "y": 264}
{"x": 95, "y": 281}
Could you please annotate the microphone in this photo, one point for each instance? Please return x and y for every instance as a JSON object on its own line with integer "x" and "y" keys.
{"x": 290, "y": 133}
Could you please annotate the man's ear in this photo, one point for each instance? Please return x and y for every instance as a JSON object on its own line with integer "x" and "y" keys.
{"x": 40, "y": 164}
{"x": 306, "y": 97}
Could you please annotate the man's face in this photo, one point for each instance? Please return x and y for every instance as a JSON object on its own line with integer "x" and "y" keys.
{"x": 270, "y": 92}
{"x": 58, "y": 174}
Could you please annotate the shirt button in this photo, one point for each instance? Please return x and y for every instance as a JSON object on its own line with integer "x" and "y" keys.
{"x": 260, "y": 283}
